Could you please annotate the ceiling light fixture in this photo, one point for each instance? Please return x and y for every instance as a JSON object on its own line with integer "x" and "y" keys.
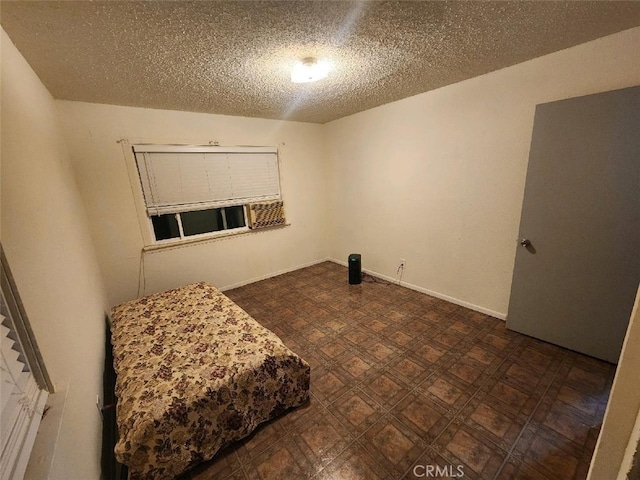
{"x": 309, "y": 70}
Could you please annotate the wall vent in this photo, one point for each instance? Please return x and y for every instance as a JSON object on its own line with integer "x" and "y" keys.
{"x": 266, "y": 214}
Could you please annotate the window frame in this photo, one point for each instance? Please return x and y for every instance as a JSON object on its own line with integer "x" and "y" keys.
{"x": 200, "y": 236}
{"x": 144, "y": 219}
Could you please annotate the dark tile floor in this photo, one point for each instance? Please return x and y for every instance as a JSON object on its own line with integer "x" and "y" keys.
{"x": 404, "y": 385}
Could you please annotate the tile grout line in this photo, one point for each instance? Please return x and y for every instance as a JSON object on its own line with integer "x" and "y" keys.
{"x": 478, "y": 390}
{"x": 355, "y": 439}
{"x": 387, "y": 412}
{"x": 384, "y": 411}
{"x": 438, "y": 370}
{"x": 524, "y": 427}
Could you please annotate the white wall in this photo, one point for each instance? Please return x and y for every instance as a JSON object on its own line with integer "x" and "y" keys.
{"x": 438, "y": 178}
{"x": 47, "y": 242}
{"x": 92, "y": 132}
{"x": 631, "y": 460}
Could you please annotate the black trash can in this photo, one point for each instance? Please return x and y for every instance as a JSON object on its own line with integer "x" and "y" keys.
{"x": 355, "y": 268}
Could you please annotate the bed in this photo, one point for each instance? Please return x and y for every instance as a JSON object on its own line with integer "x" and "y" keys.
{"x": 194, "y": 373}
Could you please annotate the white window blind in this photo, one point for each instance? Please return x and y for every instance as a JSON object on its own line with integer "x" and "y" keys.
{"x": 21, "y": 405}
{"x": 178, "y": 179}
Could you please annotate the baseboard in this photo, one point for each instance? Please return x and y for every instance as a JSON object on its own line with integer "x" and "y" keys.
{"x": 441, "y": 296}
{"x": 273, "y": 274}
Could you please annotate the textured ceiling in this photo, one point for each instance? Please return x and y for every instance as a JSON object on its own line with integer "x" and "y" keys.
{"x": 235, "y": 57}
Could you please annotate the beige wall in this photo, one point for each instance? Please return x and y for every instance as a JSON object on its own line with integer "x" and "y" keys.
{"x": 630, "y": 465}
{"x": 92, "y": 132}
{"x": 46, "y": 238}
{"x": 438, "y": 179}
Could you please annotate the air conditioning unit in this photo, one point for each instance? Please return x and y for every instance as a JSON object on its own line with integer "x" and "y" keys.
{"x": 265, "y": 214}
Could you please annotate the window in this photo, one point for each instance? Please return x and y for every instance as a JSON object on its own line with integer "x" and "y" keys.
{"x": 203, "y": 191}
{"x": 198, "y": 222}
{"x": 23, "y": 379}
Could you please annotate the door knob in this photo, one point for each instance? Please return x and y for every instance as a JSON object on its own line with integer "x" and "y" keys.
{"x": 525, "y": 242}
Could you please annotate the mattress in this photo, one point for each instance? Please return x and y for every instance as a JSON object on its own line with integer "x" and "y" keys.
{"x": 194, "y": 373}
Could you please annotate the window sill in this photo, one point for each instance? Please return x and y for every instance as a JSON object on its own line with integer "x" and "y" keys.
{"x": 179, "y": 243}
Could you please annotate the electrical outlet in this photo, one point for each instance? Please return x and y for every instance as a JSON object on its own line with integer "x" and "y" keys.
{"x": 403, "y": 263}
{"x": 99, "y": 404}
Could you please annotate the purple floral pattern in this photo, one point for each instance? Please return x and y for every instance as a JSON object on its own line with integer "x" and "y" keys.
{"x": 195, "y": 372}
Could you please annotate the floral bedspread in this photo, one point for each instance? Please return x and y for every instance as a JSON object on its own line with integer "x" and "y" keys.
{"x": 195, "y": 372}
